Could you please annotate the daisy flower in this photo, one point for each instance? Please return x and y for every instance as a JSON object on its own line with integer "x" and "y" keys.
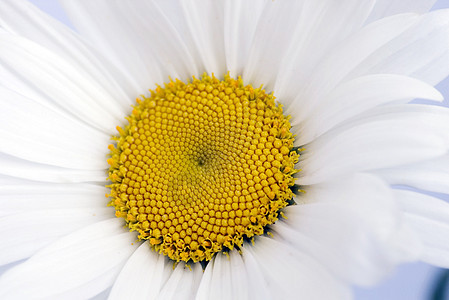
{"x": 263, "y": 158}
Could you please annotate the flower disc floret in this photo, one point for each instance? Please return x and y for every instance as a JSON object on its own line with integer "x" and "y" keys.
{"x": 202, "y": 166}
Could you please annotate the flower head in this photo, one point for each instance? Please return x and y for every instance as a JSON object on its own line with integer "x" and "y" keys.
{"x": 261, "y": 158}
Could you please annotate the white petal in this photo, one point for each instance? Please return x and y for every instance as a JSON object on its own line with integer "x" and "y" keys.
{"x": 422, "y": 51}
{"x": 182, "y": 283}
{"x": 19, "y": 168}
{"x": 64, "y": 267}
{"x": 230, "y": 278}
{"x": 239, "y": 282}
{"x": 34, "y": 132}
{"x": 336, "y": 66}
{"x": 95, "y": 286}
{"x": 384, "y": 8}
{"x": 257, "y": 283}
{"x": 358, "y": 95}
{"x": 205, "y": 290}
{"x": 102, "y": 295}
{"x": 159, "y": 37}
{"x": 429, "y": 218}
{"x": 240, "y": 23}
{"x": 143, "y": 275}
{"x": 209, "y": 39}
{"x": 66, "y": 85}
{"x": 351, "y": 226}
{"x": 365, "y": 195}
{"x": 385, "y": 137}
{"x": 432, "y": 175}
{"x": 220, "y": 278}
{"x": 28, "y": 196}
{"x": 268, "y": 45}
{"x": 236, "y": 277}
{"x": 320, "y": 27}
{"x": 292, "y": 275}
{"x": 23, "y": 234}
{"x": 121, "y": 40}
{"x": 25, "y": 19}
{"x": 153, "y": 36}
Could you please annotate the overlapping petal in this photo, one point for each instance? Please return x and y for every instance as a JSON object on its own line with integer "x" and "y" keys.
{"x": 83, "y": 264}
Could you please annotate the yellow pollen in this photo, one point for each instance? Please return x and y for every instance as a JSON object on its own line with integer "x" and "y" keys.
{"x": 201, "y": 167}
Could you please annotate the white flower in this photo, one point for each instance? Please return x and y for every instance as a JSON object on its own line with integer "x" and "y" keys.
{"x": 345, "y": 72}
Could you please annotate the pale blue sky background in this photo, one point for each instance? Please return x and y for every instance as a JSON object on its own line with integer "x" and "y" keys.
{"x": 408, "y": 282}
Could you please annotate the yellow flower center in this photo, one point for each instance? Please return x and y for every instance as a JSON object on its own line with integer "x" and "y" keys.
{"x": 202, "y": 166}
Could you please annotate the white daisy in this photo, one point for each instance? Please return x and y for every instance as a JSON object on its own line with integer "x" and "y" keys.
{"x": 344, "y": 72}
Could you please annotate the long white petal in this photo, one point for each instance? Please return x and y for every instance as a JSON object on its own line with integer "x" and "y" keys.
{"x": 204, "y": 290}
{"x": 358, "y": 95}
{"x": 429, "y": 37}
{"x": 143, "y": 275}
{"x": 322, "y": 226}
{"x": 209, "y": 40}
{"x": 23, "y": 18}
{"x": 320, "y": 27}
{"x": 115, "y": 39}
{"x": 239, "y": 282}
{"x": 23, "y": 234}
{"x": 27, "y": 196}
{"x": 20, "y": 168}
{"x": 172, "y": 47}
{"x": 236, "y": 277}
{"x": 385, "y": 137}
{"x": 265, "y": 52}
{"x": 337, "y": 64}
{"x": 290, "y": 274}
{"x": 156, "y": 37}
{"x": 90, "y": 255}
{"x": 183, "y": 283}
{"x": 144, "y": 39}
{"x": 218, "y": 279}
{"x": 74, "y": 91}
{"x": 429, "y": 218}
{"x": 240, "y": 23}
{"x": 36, "y": 133}
{"x": 431, "y": 175}
{"x": 385, "y": 8}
